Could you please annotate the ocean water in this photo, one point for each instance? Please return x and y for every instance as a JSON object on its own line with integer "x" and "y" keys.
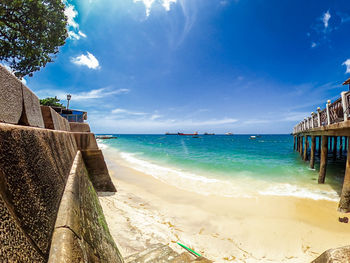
{"x": 228, "y": 165}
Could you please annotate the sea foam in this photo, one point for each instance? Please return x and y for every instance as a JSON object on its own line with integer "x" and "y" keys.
{"x": 301, "y": 192}
{"x": 239, "y": 186}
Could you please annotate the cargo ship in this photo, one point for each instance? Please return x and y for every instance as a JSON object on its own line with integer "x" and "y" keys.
{"x": 188, "y": 134}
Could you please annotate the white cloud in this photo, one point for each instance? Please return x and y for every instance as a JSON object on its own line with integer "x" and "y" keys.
{"x": 73, "y": 26}
{"x": 148, "y": 4}
{"x": 81, "y": 34}
{"x": 213, "y": 122}
{"x": 71, "y": 13}
{"x": 178, "y": 29}
{"x": 135, "y": 120}
{"x": 88, "y": 60}
{"x": 189, "y": 10}
{"x": 325, "y": 18}
{"x": 143, "y": 123}
{"x": 255, "y": 122}
{"x": 124, "y": 111}
{"x": 86, "y": 95}
{"x": 295, "y": 116}
{"x": 322, "y": 28}
{"x": 347, "y": 64}
{"x": 98, "y": 93}
{"x": 155, "y": 116}
{"x": 166, "y": 4}
{"x": 154, "y": 120}
{"x": 73, "y": 35}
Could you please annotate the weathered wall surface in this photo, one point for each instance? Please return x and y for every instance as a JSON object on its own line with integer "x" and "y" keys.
{"x": 81, "y": 222}
{"x": 79, "y": 127}
{"x": 37, "y": 151}
{"x": 18, "y": 104}
{"x": 11, "y": 99}
{"x": 52, "y": 120}
{"x": 34, "y": 166}
{"x": 85, "y": 141}
{"x": 94, "y": 161}
{"x": 98, "y": 171}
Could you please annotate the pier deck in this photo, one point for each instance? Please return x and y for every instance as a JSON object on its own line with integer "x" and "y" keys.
{"x": 331, "y": 127}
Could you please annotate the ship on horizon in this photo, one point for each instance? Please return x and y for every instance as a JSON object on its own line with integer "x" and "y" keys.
{"x": 188, "y": 134}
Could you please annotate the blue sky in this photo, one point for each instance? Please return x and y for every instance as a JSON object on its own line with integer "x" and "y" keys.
{"x": 241, "y": 66}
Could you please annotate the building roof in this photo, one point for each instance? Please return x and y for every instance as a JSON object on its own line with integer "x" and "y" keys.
{"x": 346, "y": 81}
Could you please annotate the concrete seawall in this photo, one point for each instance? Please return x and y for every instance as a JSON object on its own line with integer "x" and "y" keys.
{"x": 49, "y": 211}
{"x": 81, "y": 232}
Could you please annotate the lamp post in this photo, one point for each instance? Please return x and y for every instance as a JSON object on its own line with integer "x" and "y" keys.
{"x": 68, "y": 99}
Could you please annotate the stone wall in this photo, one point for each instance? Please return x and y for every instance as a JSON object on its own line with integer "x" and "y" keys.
{"x": 34, "y": 167}
{"x": 38, "y": 181}
{"x": 54, "y": 121}
{"x": 81, "y": 232}
{"x": 79, "y": 127}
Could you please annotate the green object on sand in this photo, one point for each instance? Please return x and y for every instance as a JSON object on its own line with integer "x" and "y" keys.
{"x": 190, "y": 250}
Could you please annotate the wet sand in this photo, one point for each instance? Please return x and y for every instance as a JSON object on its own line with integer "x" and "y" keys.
{"x": 224, "y": 229}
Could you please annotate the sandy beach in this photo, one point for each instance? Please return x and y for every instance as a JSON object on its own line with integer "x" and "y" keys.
{"x": 146, "y": 211}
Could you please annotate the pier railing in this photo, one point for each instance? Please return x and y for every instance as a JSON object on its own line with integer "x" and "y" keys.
{"x": 335, "y": 112}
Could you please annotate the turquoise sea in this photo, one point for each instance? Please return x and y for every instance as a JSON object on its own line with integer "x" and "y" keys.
{"x": 227, "y": 165}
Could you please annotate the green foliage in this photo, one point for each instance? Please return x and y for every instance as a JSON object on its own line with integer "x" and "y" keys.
{"x": 51, "y": 102}
{"x": 30, "y": 33}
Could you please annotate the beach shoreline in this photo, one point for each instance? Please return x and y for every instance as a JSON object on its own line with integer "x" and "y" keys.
{"x": 145, "y": 211}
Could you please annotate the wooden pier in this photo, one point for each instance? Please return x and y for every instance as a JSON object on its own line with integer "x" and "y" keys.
{"x": 326, "y": 130}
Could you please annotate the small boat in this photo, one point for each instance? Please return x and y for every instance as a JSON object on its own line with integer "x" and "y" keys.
{"x": 209, "y": 133}
{"x": 252, "y": 137}
{"x": 188, "y": 134}
{"x": 228, "y": 133}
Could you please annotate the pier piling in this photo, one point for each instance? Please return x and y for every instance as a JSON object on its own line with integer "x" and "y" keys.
{"x": 340, "y": 146}
{"x": 319, "y": 145}
{"x": 346, "y": 143}
{"x": 334, "y": 148}
{"x": 312, "y": 155}
{"x": 305, "y": 154}
{"x": 344, "y": 204}
{"x": 294, "y": 143}
{"x": 323, "y": 162}
{"x": 301, "y": 146}
{"x": 298, "y": 144}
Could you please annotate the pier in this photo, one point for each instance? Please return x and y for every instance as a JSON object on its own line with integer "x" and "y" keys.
{"x": 326, "y": 133}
